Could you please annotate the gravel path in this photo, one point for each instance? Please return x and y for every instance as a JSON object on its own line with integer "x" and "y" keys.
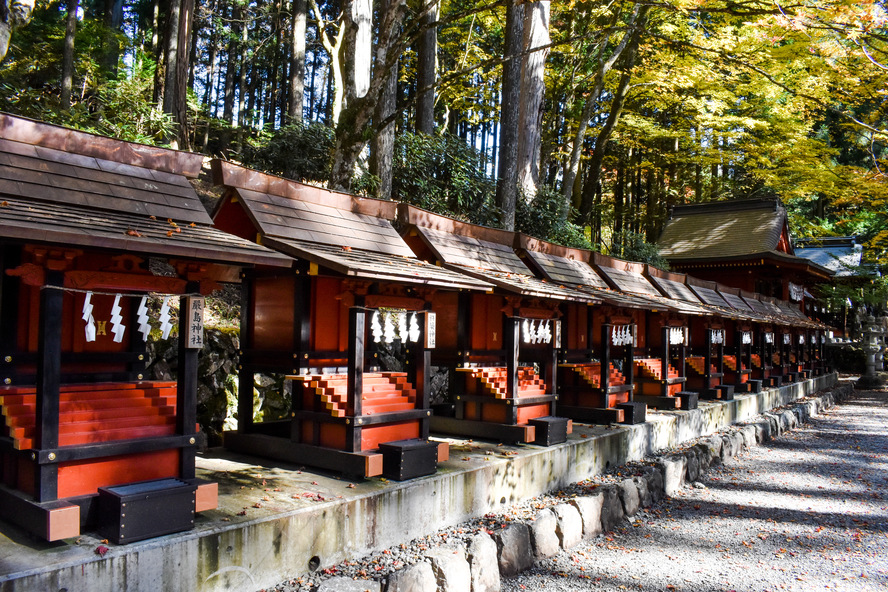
{"x": 806, "y": 511}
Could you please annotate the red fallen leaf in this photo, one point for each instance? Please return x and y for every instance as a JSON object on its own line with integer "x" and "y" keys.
{"x": 192, "y": 225}
{"x": 153, "y": 217}
{"x": 4, "y": 203}
{"x": 101, "y": 550}
{"x": 257, "y": 505}
{"x": 242, "y": 513}
{"x": 351, "y": 486}
{"x": 346, "y": 248}
{"x": 131, "y": 232}
{"x": 170, "y": 233}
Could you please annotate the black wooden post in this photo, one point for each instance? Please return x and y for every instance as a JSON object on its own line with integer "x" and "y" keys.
{"x": 551, "y": 366}
{"x": 512, "y": 343}
{"x": 463, "y": 327}
{"x": 357, "y": 331}
{"x": 629, "y": 363}
{"x": 605, "y": 359}
{"x": 301, "y": 346}
{"x": 720, "y": 353}
{"x": 664, "y": 360}
{"x": 186, "y": 388}
{"x": 245, "y": 369}
{"x": 682, "y": 354}
{"x": 49, "y": 367}
{"x": 422, "y": 367}
{"x": 137, "y": 343}
{"x": 707, "y": 363}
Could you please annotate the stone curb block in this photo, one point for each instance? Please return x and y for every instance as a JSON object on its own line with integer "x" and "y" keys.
{"x": 569, "y": 526}
{"x": 692, "y": 465}
{"x": 418, "y": 577}
{"x": 543, "y": 536}
{"x": 589, "y": 507}
{"x": 644, "y": 495}
{"x": 611, "y": 508}
{"x": 673, "y": 468}
{"x": 514, "y": 551}
{"x": 628, "y": 493}
{"x": 483, "y": 566}
{"x": 451, "y": 569}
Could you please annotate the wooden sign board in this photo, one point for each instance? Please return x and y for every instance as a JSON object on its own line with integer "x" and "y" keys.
{"x": 194, "y": 334}
{"x": 430, "y": 325}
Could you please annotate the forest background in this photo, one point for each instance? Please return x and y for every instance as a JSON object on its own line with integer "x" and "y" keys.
{"x": 582, "y": 122}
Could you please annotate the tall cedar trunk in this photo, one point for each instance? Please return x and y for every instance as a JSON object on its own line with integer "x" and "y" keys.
{"x": 382, "y": 149}
{"x": 231, "y": 66}
{"x": 243, "y": 48}
{"x": 68, "y": 54}
{"x": 212, "y": 59}
{"x": 297, "y": 61}
{"x": 158, "y": 44}
{"x": 426, "y": 75}
{"x": 354, "y": 121}
{"x": 356, "y": 50}
{"x": 196, "y": 27}
{"x": 271, "y": 100}
{"x": 113, "y": 20}
{"x": 507, "y": 173}
{"x": 171, "y": 54}
{"x": 533, "y": 88}
{"x": 182, "y": 70}
{"x": 597, "y": 158}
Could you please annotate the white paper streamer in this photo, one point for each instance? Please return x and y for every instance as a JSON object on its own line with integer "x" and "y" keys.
{"x": 375, "y": 327}
{"x": 117, "y": 321}
{"x": 88, "y": 317}
{"x": 164, "y": 318}
{"x": 142, "y": 319}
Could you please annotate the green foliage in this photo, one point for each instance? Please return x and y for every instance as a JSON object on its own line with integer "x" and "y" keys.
{"x": 299, "y": 151}
{"x": 444, "y": 175}
{"x": 541, "y": 217}
{"x": 632, "y": 246}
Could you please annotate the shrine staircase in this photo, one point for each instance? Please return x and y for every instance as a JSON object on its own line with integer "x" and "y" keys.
{"x": 385, "y": 395}
{"x": 91, "y": 414}
{"x": 530, "y": 402}
{"x": 583, "y": 399}
{"x": 658, "y": 391}
{"x": 737, "y": 374}
{"x": 706, "y": 381}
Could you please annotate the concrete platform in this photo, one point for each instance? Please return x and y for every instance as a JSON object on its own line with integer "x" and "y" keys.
{"x": 276, "y": 521}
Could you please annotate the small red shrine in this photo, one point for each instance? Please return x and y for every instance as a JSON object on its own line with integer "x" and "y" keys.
{"x": 495, "y": 340}
{"x": 355, "y": 288}
{"x": 90, "y": 227}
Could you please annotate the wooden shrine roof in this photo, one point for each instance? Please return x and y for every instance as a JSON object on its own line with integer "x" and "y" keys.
{"x": 628, "y": 277}
{"x": 672, "y": 284}
{"x": 346, "y": 234}
{"x": 525, "y": 284}
{"x": 377, "y": 266}
{"x": 732, "y": 297}
{"x": 62, "y": 186}
{"x": 723, "y": 229}
{"x": 570, "y": 267}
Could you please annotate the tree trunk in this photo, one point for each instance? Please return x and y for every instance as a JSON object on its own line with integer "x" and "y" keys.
{"x": 158, "y": 46}
{"x": 533, "y": 88}
{"x": 382, "y": 150}
{"x": 297, "y": 62}
{"x": 507, "y": 176}
{"x": 605, "y": 66}
{"x": 426, "y": 75}
{"x": 232, "y": 65}
{"x": 355, "y": 119}
{"x": 597, "y": 158}
{"x": 68, "y": 54}
{"x": 113, "y": 20}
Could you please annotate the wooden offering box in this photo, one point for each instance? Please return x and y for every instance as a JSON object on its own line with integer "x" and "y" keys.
{"x": 78, "y": 266}
{"x": 356, "y": 293}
